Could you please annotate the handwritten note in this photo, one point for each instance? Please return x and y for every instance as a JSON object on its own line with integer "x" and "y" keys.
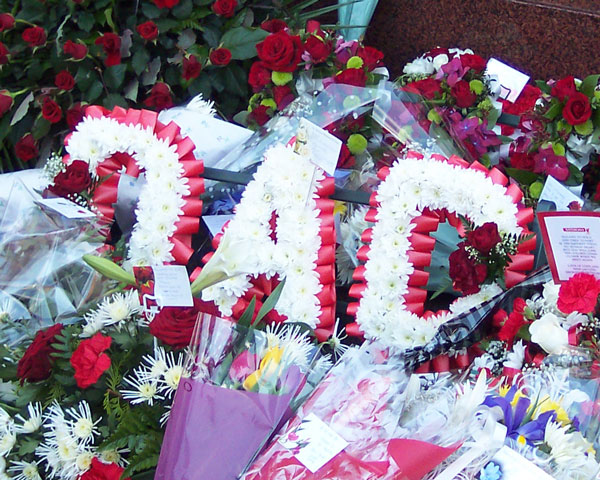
{"x": 172, "y": 286}
{"x": 318, "y": 144}
{"x": 66, "y": 208}
{"x": 557, "y": 193}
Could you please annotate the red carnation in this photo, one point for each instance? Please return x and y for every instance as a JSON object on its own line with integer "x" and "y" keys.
{"x": 103, "y": 471}
{"x": 89, "y": 360}
{"x": 226, "y": 8}
{"x": 3, "y": 54}
{"x": 51, "y": 110}
{"x": 75, "y": 179}
{"x": 174, "y": 325}
{"x": 220, "y": 56}
{"x": 7, "y": 21}
{"x": 274, "y": 25}
{"x": 484, "y": 238}
{"x": 318, "y": 50}
{"x": 371, "y": 57}
{"x": 34, "y": 36}
{"x": 511, "y": 327}
{"x": 564, "y": 88}
{"x": 283, "y": 96}
{"x": 191, "y": 67}
{"x": 26, "y": 148}
{"x": 466, "y": 274}
{"x": 428, "y": 87}
{"x": 259, "y": 76}
{"x": 6, "y": 102}
{"x": 525, "y": 103}
{"x": 260, "y": 115}
{"x": 280, "y": 51}
{"x": 165, "y": 3}
{"x": 352, "y": 76}
{"x": 147, "y": 30}
{"x": 64, "y": 80}
{"x": 578, "y": 109}
{"x": 579, "y": 294}
{"x": 463, "y": 94}
{"x": 36, "y": 363}
{"x": 111, "y": 44}
{"x": 76, "y": 50}
{"x": 160, "y": 97}
{"x": 474, "y": 62}
{"x": 75, "y": 115}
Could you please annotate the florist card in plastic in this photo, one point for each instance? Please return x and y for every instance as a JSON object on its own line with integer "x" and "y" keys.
{"x": 238, "y": 388}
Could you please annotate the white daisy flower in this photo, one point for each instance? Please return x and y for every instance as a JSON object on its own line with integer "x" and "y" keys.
{"x": 34, "y": 422}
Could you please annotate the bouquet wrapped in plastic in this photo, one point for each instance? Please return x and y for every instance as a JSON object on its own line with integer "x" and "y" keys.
{"x": 239, "y": 385}
{"x": 369, "y": 420}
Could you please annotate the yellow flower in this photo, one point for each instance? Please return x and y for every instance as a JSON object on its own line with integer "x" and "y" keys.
{"x": 546, "y": 405}
{"x": 269, "y": 366}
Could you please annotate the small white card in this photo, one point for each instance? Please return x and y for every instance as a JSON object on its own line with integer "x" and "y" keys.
{"x": 561, "y": 196}
{"x": 66, "y": 208}
{"x": 215, "y": 223}
{"x": 507, "y": 464}
{"x": 172, "y": 286}
{"x": 572, "y": 243}
{"x": 313, "y": 443}
{"x": 319, "y": 145}
{"x": 512, "y": 81}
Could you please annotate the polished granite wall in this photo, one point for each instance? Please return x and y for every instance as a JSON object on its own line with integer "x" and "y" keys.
{"x": 543, "y": 38}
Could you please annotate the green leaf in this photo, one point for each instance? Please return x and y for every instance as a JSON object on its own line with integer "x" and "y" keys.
{"x": 183, "y": 9}
{"x": 241, "y": 41}
{"x": 22, "y": 110}
{"x": 84, "y": 78}
{"x": 524, "y": 177}
{"x": 114, "y": 76}
{"x": 41, "y": 127}
{"x": 149, "y": 10}
{"x": 140, "y": 60}
{"x": 211, "y": 35}
{"x": 150, "y": 75}
{"x": 113, "y": 99}
{"x": 109, "y": 20}
{"x": 94, "y": 91}
{"x": 543, "y": 86}
{"x": 246, "y": 317}
{"x": 186, "y": 39}
{"x": 575, "y": 176}
{"x": 131, "y": 90}
{"x": 554, "y": 110}
{"x": 85, "y": 20}
{"x": 233, "y": 77}
{"x": 589, "y": 85}
{"x": 269, "y": 303}
{"x": 585, "y": 129}
{"x": 493, "y": 116}
{"x": 166, "y": 24}
{"x": 28, "y": 446}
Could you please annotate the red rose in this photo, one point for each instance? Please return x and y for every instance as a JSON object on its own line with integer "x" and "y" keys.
{"x": 6, "y": 102}
{"x": 484, "y": 238}
{"x": 578, "y": 109}
{"x": 318, "y": 50}
{"x": 274, "y": 25}
{"x": 36, "y": 363}
{"x": 371, "y": 57}
{"x": 64, "y": 80}
{"x": 564, "y": 88}
{"x": 259, "y": 76}
{"x": 428, "y": 87}
{"x": 75, "y": 115}
{"x": 511, "y": 327}
{"x": 103, "y": 471}
{"x": 283, "y": 96}
{"x": 25, "y": 148}
{"x": 225, "y": 8}
{"x": 260, "y": 115}
{"x": 314, "y": 27}
{"x": 51, "y": 111}
{"x": 3, "y": 54}
{"x": 474, "y": 62}
{"x": 160, "y": 97}
{"x": 89, "y": 361}
{"x": 220, "y": 56}
{"x": 76, "y": 50}
{"x": 111, "y": 44}
{"x": 463, "y": 94}
{"x": 522, "y": 161}
{"x": 147, "y": 30}
{"x": 34, "y": 36}
{"x": 466, "y": 274}
{"x": 352, "y": 76}
{"x": 579, "y": 294}
{"x": 175, "y": 325}
{"x": 75, "y": 179}
{"x": 280, "y": 51}
{"x": 345, "y": 160}
{"x": 165, "y": 3}
{"x": 191, "y": 67}
{"x": 7, "y": 21}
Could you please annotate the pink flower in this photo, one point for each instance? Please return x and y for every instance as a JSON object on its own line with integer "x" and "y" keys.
{"x": 243, "y": 365}
{"x": 546, "y": 161}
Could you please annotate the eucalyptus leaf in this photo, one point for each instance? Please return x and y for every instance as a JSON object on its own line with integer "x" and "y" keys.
{"x": 131, "y": 90}
{"x": 186, "y": 39}
{"x": 22, "y": 110}
{"x": 150, "y": 75}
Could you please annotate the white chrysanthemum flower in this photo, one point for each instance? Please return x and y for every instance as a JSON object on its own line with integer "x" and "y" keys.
{"x": 24, "y": 471}
{"x": 204, "y": 107}
{"x": 173, "y": 373}
{"x": 34, "y": 422}
{"x": 516, "y": 357}
{"x": 144, "y": 391}
{"x": 113, "y": 310}
{"x": 81, "y": 423}
{"x": 7, "y": 442}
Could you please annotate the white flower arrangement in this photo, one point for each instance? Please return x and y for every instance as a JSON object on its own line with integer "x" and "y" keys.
{"x": 426, "y": 64}
{"x": 412, "y": 185}
{"x": 284, "y": 184}
{"x": 162, "y": 197}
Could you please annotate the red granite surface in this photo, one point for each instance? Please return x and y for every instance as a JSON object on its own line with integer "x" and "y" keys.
{"x": 544, "y": 38}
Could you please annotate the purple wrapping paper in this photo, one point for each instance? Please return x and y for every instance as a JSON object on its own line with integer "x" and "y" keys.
{"x": 213, "y": 433}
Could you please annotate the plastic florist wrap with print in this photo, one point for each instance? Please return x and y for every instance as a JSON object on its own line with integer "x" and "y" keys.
{"x": 370, "y": 420}
{"x": 240, "y": 384}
